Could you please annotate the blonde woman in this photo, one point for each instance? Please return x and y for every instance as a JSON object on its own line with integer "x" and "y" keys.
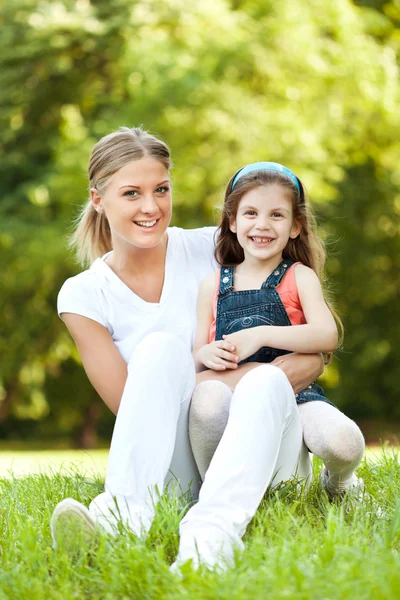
{"x": 132, "y": 315}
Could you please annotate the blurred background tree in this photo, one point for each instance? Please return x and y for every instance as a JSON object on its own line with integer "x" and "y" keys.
{"x": 310, "y": 84}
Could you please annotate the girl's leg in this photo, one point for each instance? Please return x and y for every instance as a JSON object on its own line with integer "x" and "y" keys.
{"x": 209, "y": 412}
{"x": 150, "y": 436}
{"x": 261, "y": 446}
{"x": 328, "y": 433}
{"x": 335, "y": 439}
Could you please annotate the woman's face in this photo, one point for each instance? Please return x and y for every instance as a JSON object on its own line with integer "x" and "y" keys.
{"x": 137, "y": 203}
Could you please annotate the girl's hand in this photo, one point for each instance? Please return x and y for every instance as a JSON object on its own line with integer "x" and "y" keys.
{"x": 247, "y": 342}
{"x": 218, "y": 356}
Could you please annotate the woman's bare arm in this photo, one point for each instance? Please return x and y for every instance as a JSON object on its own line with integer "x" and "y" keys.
{"x": 300, "y": 369}
{"x": 104, "y": 365}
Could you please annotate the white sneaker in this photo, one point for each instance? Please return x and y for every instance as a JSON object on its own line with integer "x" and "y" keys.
{"x": 354, "y": 487}
{"x": 210, "y": 548}
{"x": 73, "y": 528}
{"x": 354, "y": 491}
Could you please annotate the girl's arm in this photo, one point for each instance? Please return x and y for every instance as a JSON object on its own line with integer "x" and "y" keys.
{"x": 300, "y": 369}
{"x": 319, "y": 334}
{"x": 217, "y": 355}
{"x": 104, "y": 365}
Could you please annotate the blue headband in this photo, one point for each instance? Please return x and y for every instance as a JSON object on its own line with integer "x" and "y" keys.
{"x": 266, "y": 166}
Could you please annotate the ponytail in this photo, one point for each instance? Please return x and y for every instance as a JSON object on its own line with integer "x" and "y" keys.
{"x": 92, "y": 237}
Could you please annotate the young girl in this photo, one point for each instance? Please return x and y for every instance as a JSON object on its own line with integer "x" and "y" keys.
{"x": 271, "y": 260}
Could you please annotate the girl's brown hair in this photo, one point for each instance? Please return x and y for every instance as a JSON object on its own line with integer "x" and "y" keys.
{"x": 306, "y": 248}
{"x": 92, "y": 236}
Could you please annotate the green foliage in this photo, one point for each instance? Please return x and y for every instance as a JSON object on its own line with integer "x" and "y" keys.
{"x": 366, "y": 264}
{"x": 311, "y": 84}
{"x": 297, "y": 546}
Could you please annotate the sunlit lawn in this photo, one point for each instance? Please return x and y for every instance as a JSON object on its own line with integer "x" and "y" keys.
{"x": 28, "y": 462}
{"x": 90, "y": 462}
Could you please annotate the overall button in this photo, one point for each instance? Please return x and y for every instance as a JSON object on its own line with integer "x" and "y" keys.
{"x": 276, "y": 272}
{"x": 226, "y": 270}
{"x": 285, "y": 265}
{"x": 225, "y": 280}
{"x": 247, "y": 321}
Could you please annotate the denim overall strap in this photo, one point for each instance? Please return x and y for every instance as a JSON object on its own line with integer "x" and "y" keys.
{"x": 277, "y": 274}
{"x": 225, "y": 280}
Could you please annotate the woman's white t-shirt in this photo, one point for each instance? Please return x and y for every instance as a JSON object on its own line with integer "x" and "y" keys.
{"x": 100, "y": 295}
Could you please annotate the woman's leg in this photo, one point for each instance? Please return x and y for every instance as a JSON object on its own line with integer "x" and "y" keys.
{"x": 335, "y": 439}
{"x": 261, "y": 446}
{"x": 209, "y": 412}
{"x": 150, "y": 435}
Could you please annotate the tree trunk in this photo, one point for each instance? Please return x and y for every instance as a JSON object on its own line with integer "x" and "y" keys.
{"x": 87, "y": 434}
{"x": 5, "y": 405}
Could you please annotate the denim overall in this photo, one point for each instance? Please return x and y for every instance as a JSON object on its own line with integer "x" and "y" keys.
{"x": 251, "y": 308}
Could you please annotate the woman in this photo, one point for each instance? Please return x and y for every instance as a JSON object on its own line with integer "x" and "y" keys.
{"x": 132, "y": 317}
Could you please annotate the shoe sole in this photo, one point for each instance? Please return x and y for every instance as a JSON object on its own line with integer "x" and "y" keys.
{"x": 72, "y": 528}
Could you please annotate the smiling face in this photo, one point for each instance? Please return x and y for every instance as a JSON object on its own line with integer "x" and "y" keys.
{"x": 264, "y": 222}
{"x": 137, "y": 203}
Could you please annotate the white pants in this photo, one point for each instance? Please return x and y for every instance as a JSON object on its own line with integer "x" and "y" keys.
{"x": 150, "y": 445}
{"x": 261, "y": 445}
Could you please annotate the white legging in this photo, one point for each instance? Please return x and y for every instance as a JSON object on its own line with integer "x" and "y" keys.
{"x": 261, "y": 444}
{"x": 328, "y": 433}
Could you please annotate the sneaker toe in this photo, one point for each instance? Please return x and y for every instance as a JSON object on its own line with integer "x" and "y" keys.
{"x": 73, "y": 528}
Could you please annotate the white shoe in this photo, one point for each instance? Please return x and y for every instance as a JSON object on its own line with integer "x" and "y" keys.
{"x": 353, "y": 491}
{"x": 73, "y": 528}
{"x": 210, "y": 548}
{"x": 354, "y": 487}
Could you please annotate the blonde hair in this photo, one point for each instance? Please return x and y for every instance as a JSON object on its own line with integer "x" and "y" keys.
{"x": 306, "y": 248}
{"x": 92, "y": 235}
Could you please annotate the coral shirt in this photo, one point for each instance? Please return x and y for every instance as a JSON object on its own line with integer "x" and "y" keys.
{"x": 287, "y": 290}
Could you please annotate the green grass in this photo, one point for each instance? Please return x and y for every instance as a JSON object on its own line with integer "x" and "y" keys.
{"x": 298, "y": 546}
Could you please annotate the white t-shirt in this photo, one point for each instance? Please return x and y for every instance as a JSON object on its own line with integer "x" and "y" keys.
{"x": 99, "y": 293}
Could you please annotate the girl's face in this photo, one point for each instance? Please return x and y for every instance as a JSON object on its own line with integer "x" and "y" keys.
{"x": 137, "y": 203}
{"x": 264, "y": 222}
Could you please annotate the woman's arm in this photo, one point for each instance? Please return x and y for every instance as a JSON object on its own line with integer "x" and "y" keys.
{"x": 319, "y": 334}
{"x": 217, "y": 355}
{"x": 300, "y": 369}
{"x": 104, "y": 365}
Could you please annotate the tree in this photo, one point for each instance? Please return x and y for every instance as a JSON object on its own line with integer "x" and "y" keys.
{"x": 302, "y": 83}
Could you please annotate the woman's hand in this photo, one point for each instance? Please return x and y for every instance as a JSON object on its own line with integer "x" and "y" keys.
{"x": 218, "y": 356}
{"x": 247, "y": 342}
{"x": 300, "y": 369}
